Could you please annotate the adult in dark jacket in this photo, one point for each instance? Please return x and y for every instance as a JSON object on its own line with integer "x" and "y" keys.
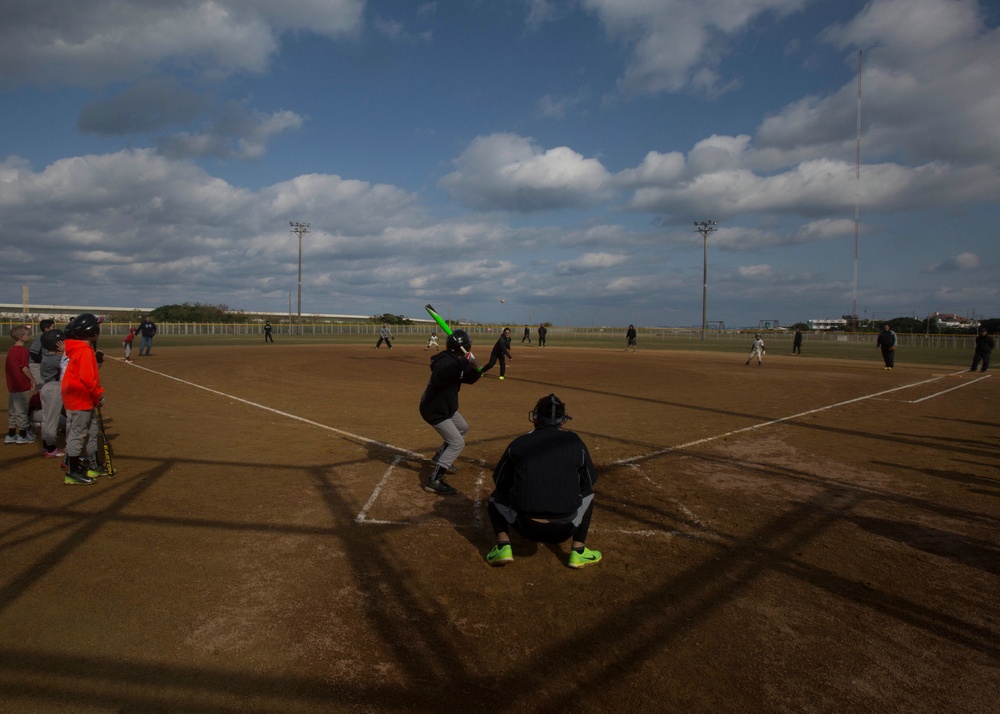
{"x": 439, "y": 405}
{"x": 984, "y": 346}
{"x": 147, "y": 330}
{"x": 886, "y": 341}
{"x": 544, "y": 488}
{"x": 501, "y": 353}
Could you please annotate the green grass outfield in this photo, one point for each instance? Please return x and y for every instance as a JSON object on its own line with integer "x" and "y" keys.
{"x": 913, "y": 348}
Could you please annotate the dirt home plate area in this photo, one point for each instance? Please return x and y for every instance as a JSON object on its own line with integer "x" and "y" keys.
{"x": 808, "y": 535}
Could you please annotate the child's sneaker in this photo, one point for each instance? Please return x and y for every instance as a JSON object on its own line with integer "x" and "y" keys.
{"x": 94, "y": 467}
{"x": 582, "y": 560}
{"x": 77, "y": 479}
{"x": 28, "y": 438}
{"x": 54, "y": 454}
{"x": 10, "y": 439}
{"x": 500, "y": 555}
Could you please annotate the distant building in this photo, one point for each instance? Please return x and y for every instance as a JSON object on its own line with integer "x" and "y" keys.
{"x": 946, "y": 321}
{"x": 829, "y": 324}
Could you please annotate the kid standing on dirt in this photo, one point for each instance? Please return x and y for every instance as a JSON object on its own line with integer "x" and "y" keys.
{"x": 756, "y": 350}
{"x": 82, "y": 395}
{"x": 127, "y": 343}
{"x": 20, "y": 385}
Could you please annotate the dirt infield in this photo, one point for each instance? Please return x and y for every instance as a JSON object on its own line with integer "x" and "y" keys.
{"x": 808, "y": 535}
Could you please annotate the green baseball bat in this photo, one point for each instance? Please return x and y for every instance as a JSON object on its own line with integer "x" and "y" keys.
{"x": 438, "y": 319}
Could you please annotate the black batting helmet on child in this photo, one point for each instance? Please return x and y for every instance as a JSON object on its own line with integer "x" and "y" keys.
{"x": 51, "y": 338}
{"x": 85, "y": 325}
{"x": 550, "y": 411}
{"x": 458, "y": 341}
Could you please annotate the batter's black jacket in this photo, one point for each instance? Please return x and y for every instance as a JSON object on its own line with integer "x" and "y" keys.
{"x": 440, "y": 398}
{"x": 545, "y": 473}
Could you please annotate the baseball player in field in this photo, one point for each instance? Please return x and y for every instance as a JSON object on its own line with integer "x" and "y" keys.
{"x": 439, "y": 405}
{"x": 501, "y": 353}
{"x": 544, "y": 488}
{"x": 432, "y": 341}
{"x": 756, "y": 350}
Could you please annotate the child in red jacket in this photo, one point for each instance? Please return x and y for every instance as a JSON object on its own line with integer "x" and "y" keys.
{"x": 20, "y": 385}
{"x": 127, "y": 343}
{"x": 82, "y": 394}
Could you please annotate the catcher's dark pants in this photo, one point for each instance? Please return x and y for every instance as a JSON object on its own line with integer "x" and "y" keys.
{"x": 888, "y": 356}
{"x": 542, "y": 532}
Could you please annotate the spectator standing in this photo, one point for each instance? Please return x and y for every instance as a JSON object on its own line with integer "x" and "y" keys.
{"x": 886, "y": 341}
{"x": 984, "y": 347}
{"x": 147, "y": 330}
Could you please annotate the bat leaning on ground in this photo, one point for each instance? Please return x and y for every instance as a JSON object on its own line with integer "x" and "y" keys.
{"x": 109, "y": 463}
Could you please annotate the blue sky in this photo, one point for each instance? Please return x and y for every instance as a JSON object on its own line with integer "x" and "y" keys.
{"x": 551, "y": 153}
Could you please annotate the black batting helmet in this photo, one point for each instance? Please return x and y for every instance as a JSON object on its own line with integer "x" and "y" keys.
{"x": 458, "y": 341}
{"x": 50, "y": 338}
{"x": 85, "y": 325}
{"x": 550, "y": 411}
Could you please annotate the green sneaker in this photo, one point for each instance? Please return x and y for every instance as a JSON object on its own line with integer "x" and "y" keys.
{"x": 77, "y": 479}
{"x": 582, "y": 560}
{"x": 500, "y": 555}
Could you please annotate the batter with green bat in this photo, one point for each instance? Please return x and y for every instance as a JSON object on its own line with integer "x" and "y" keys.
{"x": 439, "y": 402}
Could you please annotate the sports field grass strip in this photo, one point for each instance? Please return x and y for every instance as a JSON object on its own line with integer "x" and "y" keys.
{"x": 772, "y": 422}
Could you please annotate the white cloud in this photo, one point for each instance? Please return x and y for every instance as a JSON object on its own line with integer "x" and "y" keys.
{"x": 95, "y": 41}
{"x": 509, "y": 172}
{"x": 930, "y": 89}
{"x": 961, "y": 262}
{"x": 235, "y": 134}
{"x": 674, "y": 42}
{"x": 590, "y": 262}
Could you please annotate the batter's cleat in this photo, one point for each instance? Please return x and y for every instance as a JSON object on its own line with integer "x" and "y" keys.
{"x": 582, "y": 560}
{"x": 77, "y": 479}
{"x": 438, "y": 486}
{"x": 500, "y": 555}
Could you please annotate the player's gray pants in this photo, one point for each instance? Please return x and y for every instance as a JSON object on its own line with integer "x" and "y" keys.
{"x": 81, "y": 431}
{"x": 17, "y": 410}
{"x": 51, "y": 394}
{"x": 453, "y": 432}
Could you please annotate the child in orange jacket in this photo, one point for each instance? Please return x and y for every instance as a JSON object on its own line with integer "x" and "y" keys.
{"x": 82, "y": 394}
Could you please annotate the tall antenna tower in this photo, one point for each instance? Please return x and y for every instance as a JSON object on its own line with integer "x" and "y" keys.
{"x": 857, "y": 201}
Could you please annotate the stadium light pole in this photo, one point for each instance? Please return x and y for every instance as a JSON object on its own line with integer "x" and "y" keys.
{"x": 298, "y": 229}
{"x": 704, "y": 227}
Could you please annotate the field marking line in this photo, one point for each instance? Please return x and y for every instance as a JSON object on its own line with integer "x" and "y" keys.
{"x": 950, "y": 389}
{"x": 340, "y": 432}
{"x": 707, "y": 439}
{"x": 363, "y": 513}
